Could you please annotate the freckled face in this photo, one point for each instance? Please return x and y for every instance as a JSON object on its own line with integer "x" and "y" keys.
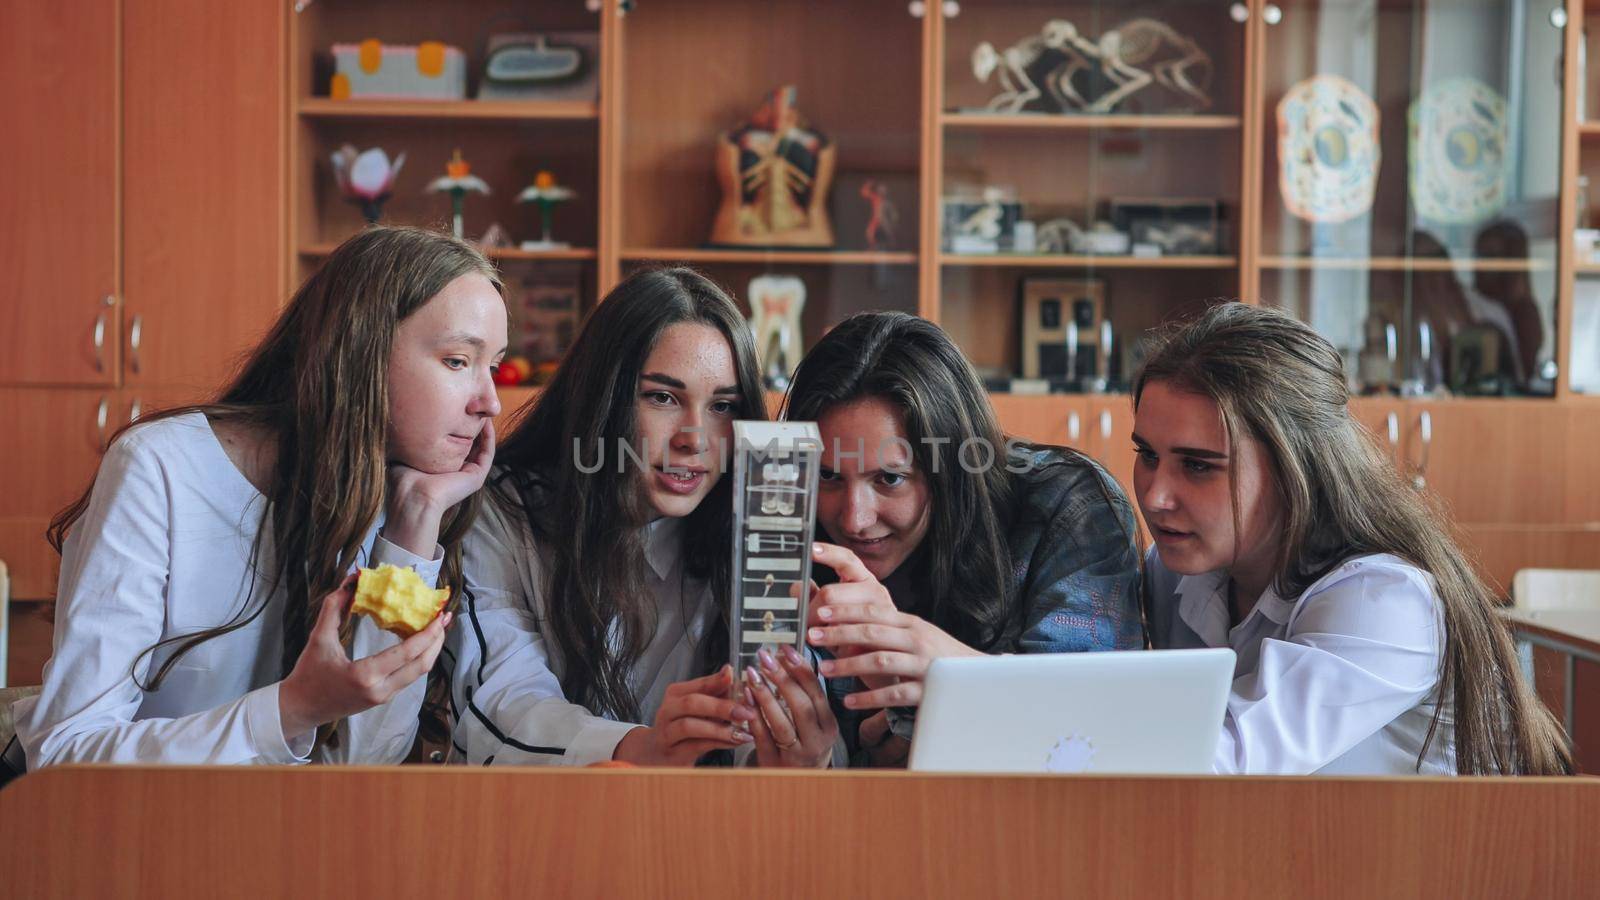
{"x": 688, "y": 398}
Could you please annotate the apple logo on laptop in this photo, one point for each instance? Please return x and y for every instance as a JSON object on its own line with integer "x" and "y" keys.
{"x": 1070, "y": 754}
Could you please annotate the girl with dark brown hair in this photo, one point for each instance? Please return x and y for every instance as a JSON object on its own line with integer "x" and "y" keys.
{"x": 599, "y": 573}
{"x": 946, "y": 539}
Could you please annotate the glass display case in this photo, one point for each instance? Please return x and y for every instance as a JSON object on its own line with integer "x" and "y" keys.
{"x": 777, "y": 148}
{"x": 1089, "y": 181}
{"x": 1410, "y": 188}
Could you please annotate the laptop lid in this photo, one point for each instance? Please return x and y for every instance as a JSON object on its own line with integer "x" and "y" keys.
{"x": 1117, "y": 712}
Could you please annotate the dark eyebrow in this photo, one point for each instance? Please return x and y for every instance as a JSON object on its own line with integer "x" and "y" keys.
{"x": 1184, "y": 451}
{"x": 667, "y": 380}
{"x": 870, "y": 473}
{"x": 671, "y": 382}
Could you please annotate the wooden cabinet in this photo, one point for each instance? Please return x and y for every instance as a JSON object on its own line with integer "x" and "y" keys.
{"x": 204, "y": 193}
{"x": 1489, "y": 461}
{"x": 152, "y": 142}
{"x": 1110, "y": 436}
{"x": 58, "y": 192}
{"x": 1380, "y": 416}
{"x": 1517, "y": 478}
{"x": 1053, "y": 419}
{"x": 65, "y": 430}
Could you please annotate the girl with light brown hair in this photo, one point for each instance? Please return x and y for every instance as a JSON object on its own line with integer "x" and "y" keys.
{"x": 206, "y": 573}
{"x": 1366, "y": 643}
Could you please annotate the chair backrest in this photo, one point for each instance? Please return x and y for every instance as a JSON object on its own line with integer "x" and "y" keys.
{"x": 1556, "y": 589}
{"x": 5, "y": 618}
{"x": 8, "y": 725}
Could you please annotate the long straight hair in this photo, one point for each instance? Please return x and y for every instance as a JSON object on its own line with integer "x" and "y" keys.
{"x": 589, "y": 523}
{"x": 1277, "y": 381}
{"x": 318, "y": 385}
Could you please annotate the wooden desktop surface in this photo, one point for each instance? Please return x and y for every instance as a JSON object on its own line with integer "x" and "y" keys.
{"x": 437, "y": 832}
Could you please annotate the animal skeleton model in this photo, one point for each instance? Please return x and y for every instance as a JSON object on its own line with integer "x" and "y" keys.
{"x": 1167, "y": 57}
{"x": 1060, "y": 56}
{"x": 1048, "y": 59}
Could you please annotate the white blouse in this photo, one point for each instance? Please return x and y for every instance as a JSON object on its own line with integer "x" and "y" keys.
{"x": 509, "y": 705}
{"x": 1340, "y": 680}
{"x": 163, "y": 550}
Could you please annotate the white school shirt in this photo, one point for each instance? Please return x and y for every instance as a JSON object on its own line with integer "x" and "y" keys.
{"x": 164, "y": 550}
{"x": 509, "y": 706}
{"x": 1338, "y": 681}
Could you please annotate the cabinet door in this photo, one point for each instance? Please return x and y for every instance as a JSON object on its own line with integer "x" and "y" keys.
{"x": 1110, "y": 436}
{"x": 1490, "y": 461}
{"x": 66, "y": 430}
{"x": 203, "y": 163}
{"x": 1498, "y": 551}
{"x": 58, "y": 192}
{"x": 1384, "y": 420}
{"x": 1054, "y": 419}
{"x": 1580, "y": 471}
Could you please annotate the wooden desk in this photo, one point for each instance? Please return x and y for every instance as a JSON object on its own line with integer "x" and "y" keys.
{"x": 1573, "y": 631}
{"x": 1561, "y": 653}
{"x": 438, "y": 832}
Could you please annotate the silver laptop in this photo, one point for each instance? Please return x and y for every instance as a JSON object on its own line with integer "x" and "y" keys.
{"x": 1129, "y": 712}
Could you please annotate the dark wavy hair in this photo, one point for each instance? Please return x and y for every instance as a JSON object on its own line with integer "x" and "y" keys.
{"x": 588, "y": 523}
{"x": 963, "y": 567}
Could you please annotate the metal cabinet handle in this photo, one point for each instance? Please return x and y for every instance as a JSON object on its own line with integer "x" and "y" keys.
{"x": 1072, "y": 349}
{"x": 100, "y": 418}
{"x": 135, "y": 337}
{"x": 1074, "y": 426}
{"x": 1392, "y": 426}
{"x": 100, "y": 342}
{"x": 135, "y": 410}
{"x": 1105, "y": 424}
{"x": 1239, "y": 13}
{"x": 1271, "y": 14}
{"x": 1102, "y": 366}
{"x": 1419, "y": 480}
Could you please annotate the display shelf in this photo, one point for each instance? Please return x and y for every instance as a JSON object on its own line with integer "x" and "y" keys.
{"x": 771, "y": 257}
{"x": 1406, "y": 264}
{"x": 317, "y": 251}
{"x": 1044, "y": 121}
{"x": 434, "y": 110}
{"x": 1069, "y": 261}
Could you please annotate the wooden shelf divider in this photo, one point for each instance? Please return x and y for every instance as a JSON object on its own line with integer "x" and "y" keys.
{"x": 1406, "y": 263}
{"x": 767, "y": 257}
{"x": 1045, "y": 121}
{"x": 314, "y": 251}
{"x": 511, "y": 110}
{"x": 1070, "y": 261}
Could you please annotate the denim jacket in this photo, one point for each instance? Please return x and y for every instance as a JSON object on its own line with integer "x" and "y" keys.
{"x": 1075, "y": 570}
